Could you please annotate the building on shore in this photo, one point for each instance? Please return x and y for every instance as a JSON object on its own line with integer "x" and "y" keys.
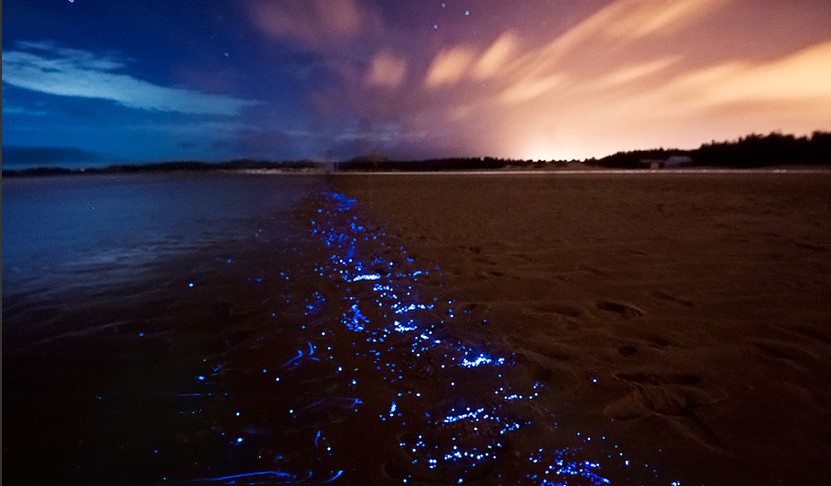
{"x": 672, "y": 162}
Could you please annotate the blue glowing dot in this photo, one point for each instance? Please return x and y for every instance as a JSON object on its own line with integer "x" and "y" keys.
{"x": 467, "y": 12}
{"x": 190, "y": 284}
{"x": 200, "y": 378}
{"x": 141, "y": 334}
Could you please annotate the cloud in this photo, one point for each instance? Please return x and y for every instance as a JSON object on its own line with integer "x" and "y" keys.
{"x": 635, "y": 19}
{"x": 791, "y": 78}
{"x": 386, "y": 70}
{"x": 313, "y": 23}
{"x": 21, "y": 110}
{"x": 530, "y": 88}
{"x": 630, "y": 74}
{"x": 48, "y": 68}
{"x": 493, "y": 61}
{"x": 633, "y": 74}
{"x": 450, "y": 66}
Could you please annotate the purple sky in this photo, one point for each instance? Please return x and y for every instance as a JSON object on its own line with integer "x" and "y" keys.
{"x": 91, "y": 82}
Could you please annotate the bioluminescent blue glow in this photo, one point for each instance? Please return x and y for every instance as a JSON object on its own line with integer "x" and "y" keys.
{"x": 369, "y": 341}
{"x": 458, "y": 442}
{"x": 481, "y": 360}
{"x": 257, "y": 474}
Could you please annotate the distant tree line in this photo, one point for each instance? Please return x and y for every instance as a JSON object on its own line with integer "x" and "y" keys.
{"x": 764, "y": 150}
{"x": 750, "y": 151}
{"x": 377, "y": 164}
{"x": 753, "y": 150}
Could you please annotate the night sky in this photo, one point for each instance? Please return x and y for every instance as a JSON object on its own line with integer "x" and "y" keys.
{"x": 92, "y": 82}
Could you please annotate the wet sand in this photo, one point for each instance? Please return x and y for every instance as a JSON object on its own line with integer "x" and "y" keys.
{"x": 685, "y": 315}
{"x": 582, "y": 328}
{"x": 316, "y": 350}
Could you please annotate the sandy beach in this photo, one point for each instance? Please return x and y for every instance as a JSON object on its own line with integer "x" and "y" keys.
{"x": 686, "y": 315}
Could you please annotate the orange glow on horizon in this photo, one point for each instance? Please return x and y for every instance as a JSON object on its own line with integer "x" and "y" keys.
{"x": 635, "y": 74}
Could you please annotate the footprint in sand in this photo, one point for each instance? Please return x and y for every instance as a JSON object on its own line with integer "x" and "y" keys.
{"x": 489, "y": 274}
{"x": 591, "y": 270}
{"x": 782, "y": 351}
{"x": 673, "y": 397}
{"x": 819, "y": 335}
{"x": 624, "y": 311}
{"x": 670, "y": 298}
{"x": 547, "y": 308}
{"x": 627, "y": 350}
{"x": 660, "y": 379}
{"x": 809, "y": 246}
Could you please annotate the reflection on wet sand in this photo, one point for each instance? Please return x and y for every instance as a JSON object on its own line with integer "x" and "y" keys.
{"x": 371, "y": 373}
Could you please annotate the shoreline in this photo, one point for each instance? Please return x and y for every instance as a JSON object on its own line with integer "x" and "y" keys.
{"x": 49, "y": 172}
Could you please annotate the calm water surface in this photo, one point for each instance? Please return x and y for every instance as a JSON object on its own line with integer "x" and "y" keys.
{"x": 55, "y": 226}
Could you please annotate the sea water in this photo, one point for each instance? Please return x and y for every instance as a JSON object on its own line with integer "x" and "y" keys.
{"x": 204, "y": 329}
{"x": 54, "y": 227}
